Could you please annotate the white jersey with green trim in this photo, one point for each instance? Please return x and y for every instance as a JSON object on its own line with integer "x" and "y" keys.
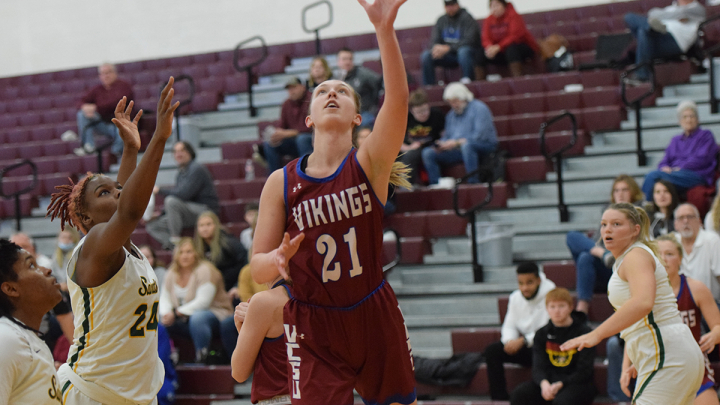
{"x": 664, "y": 309}
{"x": 115, "y": 343}
{"x": 27, "y": 374}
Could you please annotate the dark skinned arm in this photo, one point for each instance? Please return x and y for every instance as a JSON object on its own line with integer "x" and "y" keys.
{"x": 102, "y": 254}
{"x": 131, "y": 140}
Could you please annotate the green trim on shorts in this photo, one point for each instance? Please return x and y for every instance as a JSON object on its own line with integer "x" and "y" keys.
{"x": 85, "y": 326}
{"x": 65, "y": 387}
{"x": 661, "y": 348}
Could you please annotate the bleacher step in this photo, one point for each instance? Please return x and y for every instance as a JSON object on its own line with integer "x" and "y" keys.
{"x": 666, "y": 116}
{"x": 656, "y": 139}
{"x": 451, "y": 320}
{"x": 452, "y": 274}
{"x": 450, "y": 304}
{"x": 545, "y": 215}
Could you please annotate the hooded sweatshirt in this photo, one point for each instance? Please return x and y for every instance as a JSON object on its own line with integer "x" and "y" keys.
{"x": 507, "y": 30}
{"x": 456, "y": 31}
{"x": 552, "y": 364}
{"x": 525, "y": 316}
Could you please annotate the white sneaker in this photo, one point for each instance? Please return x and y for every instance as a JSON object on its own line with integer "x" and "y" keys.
{"x": 80, "y": 151}
{"x": 68, "y": 136}
{"x": 89, "y": 148}
{"x": 465, "y": 80}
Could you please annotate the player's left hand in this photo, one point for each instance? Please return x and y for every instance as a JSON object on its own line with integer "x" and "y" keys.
{"x": 239, "y": 316}
{"x": 707, "y": 342}
{"x": 382, "y": 12}
{"x": 581, "y": 342}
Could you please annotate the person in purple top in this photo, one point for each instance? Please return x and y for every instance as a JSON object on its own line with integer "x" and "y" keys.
{"x": 690, "y": 158}
{"x": 98, "y": 108}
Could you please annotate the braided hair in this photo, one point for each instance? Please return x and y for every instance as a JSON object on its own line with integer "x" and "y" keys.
{"x": 69, "y": 201}
{"x": 9, "y": 255}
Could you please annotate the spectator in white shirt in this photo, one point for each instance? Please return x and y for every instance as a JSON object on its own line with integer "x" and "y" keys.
{"x": 525, "y": 314}
{"x": 701, "y": 248}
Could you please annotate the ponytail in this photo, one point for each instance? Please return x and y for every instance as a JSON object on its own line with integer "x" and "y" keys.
{"x": 68, "y": 202}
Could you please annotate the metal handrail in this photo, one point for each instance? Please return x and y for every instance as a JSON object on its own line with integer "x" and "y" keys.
{"x": 398, "y": 251}
{"x": 18, "y": 193}
{"x": 471, "y": 214}
{"x": 710, "y": 53}
{"x": 317, "y": 29}
{"x": 557, "y": 157}
{"x": 248, "y": 68}
{"x": 636, "y": 104}
{"x": 183, "y": 103}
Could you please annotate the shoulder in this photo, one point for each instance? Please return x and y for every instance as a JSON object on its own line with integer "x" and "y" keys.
{"x": 515, "y": 298}
{"x": 12, "y": 339}
{"x": 640, "y": 259}
{"x": 265, "y": 303}
{"x": 696, "y": 286}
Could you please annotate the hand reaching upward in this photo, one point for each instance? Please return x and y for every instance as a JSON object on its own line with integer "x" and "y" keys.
{"x": 382, "y": 12}
{"x": 127, "y": 127}
{"x": 165, "y": 111}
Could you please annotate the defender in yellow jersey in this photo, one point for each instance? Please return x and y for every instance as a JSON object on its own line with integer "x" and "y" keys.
{"x": 113, "y": 289}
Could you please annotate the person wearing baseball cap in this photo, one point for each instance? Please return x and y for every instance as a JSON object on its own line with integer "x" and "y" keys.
{"x": 292, "y": 137}
{"x": 455, "y": 41}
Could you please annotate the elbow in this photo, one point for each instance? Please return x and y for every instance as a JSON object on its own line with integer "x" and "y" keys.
{"x": 239, "y": 376}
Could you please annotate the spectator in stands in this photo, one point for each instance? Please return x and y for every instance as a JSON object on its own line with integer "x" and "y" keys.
{"x": 469, "y": 136}
{"x": 559, "y": 377}
{"x": 193, "y": 301}
{"x": 593, "y": 263}
{"x": 246, "y": 236}
{"x": 695, "y": 302}
{"x": 712, "y": 219}
{"x": 665, "y": 32}
{"x": 455, "y": 41}
{"x": 157, "y": 265}
{"x": 98, "y": 108}
{"x": 701, "y": 248}
{"x": 690, "y": 159}
{"x": 367, "y": 84}
{"x": 525, "y": 314}
{"x": 67, "y": 240}
{"x": 193, "y": 194}
{"x": 615, "y": 348}
{"x": 425, "y": 125}
{"x": 221, "y": 249}
{"x": 505, "y": 39}
{"x": 293, "y": 137}
{"x": 319, "y": 72}
{"x": 660, "y": 211}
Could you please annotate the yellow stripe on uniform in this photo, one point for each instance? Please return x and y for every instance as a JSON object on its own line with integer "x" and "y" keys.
{"x": 67, "y": 391}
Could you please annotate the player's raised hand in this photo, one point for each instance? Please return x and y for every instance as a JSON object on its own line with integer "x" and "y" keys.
{"x": 127, "y": 127}
{"x": 286, "y": 251}
{"x": 165, "y": 111}
{"x": 382, "y": 12}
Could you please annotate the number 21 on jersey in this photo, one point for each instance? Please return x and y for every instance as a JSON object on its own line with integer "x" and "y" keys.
{"x": 327, "y": 247}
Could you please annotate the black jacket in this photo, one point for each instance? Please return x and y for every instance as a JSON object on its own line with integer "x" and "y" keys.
{"x": 231, "y": 261}
{"x": 552, "y": 364}
{"x": 459, "y": 30}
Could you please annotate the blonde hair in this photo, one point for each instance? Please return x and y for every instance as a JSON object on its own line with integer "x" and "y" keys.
{"x": 638, "y": 216}
{"x": 715, "y": 212}
{"x": 326, "y": 66}
{"x": 217, "y": 241}
{"x": 637, "y": 194}
{"x": 559, "y": 294}
{"x": 671, "y": 238}
{"x": 176, "y": 254}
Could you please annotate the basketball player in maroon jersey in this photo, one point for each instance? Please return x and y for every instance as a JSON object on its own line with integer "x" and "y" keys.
{"x": 695, "y": 301}
{"x": 343, "y": 326}
{"x": 261, "y": 349}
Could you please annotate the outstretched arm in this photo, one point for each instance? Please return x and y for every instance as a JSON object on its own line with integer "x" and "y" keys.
{"x": 380, "y": 149}
{"x": 128, "y": 129}
{"x": 102, "y": 255}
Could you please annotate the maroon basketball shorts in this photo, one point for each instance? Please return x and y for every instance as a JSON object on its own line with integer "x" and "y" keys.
{"x": 333, "y": 350}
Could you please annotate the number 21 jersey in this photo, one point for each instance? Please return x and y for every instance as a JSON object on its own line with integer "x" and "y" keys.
{"x": 339, "y": 261}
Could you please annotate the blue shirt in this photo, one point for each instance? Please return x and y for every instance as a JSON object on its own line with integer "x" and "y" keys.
{"x": 474, "y": 124}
